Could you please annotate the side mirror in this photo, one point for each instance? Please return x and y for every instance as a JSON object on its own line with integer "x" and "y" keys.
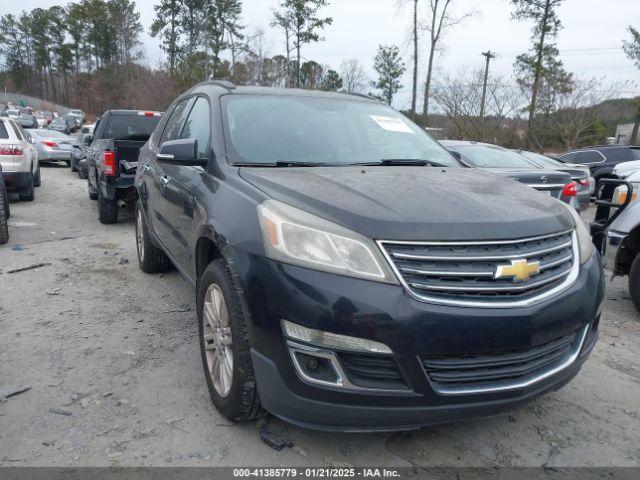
{"x": 456, "y": 155}
{"x": 181, "y": 152}
{"x": 87, "y": 140}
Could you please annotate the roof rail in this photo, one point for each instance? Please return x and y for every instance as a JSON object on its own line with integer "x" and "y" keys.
{"x": 363, "y": 95}
{"x": 221, "y": 83}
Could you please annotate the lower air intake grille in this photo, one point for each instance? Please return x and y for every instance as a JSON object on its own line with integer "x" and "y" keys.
{"x": 499, "y": 371}
{"x": 372, "y": 371}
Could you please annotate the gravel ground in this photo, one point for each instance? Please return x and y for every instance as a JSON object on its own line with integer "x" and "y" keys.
{"x": 112, "y": 360}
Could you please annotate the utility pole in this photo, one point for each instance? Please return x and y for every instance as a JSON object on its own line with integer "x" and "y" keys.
{"x": 488, "y": 55}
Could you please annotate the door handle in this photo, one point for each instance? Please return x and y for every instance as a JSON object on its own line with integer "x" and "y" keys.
{"x": 164, "y": 180}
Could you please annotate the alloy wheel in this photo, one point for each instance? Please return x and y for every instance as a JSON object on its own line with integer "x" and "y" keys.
{"x": 218, "y": 340}
{"x": 140, "y": 235}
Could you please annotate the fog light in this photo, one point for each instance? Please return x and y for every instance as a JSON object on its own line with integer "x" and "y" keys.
{"x": 332, "y": 340}
{"x": 317, "y": 369}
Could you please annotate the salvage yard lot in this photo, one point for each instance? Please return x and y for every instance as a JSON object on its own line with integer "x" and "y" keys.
{"x": 112, "y": 361}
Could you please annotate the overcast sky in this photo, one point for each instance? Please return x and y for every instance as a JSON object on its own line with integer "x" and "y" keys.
{"x": 590, "y": 42}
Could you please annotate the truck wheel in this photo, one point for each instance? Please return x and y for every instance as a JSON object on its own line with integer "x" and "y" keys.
{"x": 107, "y": 210}
{"x": 5, "y": 195}
{"x": 37, "y": 181}
{"x": 224, "y": 345}
{"x": 28, "y": 194}
{"x": 150, "y": 258}
{"x": 4, "y": 213}
{"x": 634, "y": 282}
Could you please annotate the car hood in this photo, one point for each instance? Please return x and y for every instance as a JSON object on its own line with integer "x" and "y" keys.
{"x": 415, "y": 203}
{"x": 625, "y": 169}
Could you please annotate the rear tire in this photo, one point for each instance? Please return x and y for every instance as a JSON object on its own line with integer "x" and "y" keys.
{"x": 107, "y": 210}
{"x": 37, "y": 181}
{"x": 151, "y": 259}
{"x": 4, "y": 212}
{"x": 28, "y": 194}
{"x": 634, "y": 282}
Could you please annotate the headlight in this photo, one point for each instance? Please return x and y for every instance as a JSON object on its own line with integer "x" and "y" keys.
{"x": 294, "y": 236}
{"x": 620, "y": 193}
{"x": 584, "y": 237}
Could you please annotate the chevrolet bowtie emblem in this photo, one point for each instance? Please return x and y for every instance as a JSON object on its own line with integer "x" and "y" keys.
{"x": 520, "y": 270}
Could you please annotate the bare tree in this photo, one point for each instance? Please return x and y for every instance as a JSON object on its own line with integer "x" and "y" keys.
{"x": 353, "y": 75}
{"x": 459, "y": 97}
{"x": 441, "y": 19}
{"x": 577, "y": 116}
{"x": 415, "y": 47}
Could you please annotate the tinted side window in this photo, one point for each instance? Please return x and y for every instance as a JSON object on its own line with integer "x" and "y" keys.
{"x": 198, "y": 126}
{"x": 4, "y": 134}
{"x": 17, "y": 130}
{"x": 176, "y": 120}
{"x": 590, "y": 156}
{"x": 568, "y": 158}
{"x": 619, "y": 155}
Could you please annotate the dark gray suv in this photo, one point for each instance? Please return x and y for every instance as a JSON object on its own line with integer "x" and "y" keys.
{"x": 350, "y": 274}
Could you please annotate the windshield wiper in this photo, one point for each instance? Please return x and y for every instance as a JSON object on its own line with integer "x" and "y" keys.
{"x": 280, "y": 164}
{"x": 413, "y": 162}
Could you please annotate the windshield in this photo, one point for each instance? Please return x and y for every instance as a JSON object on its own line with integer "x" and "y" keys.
{"x": 49, "y": 134}
{"x": 130, "y": 126}
{"x": 266, "y": 129}
{"x": 488, "y": 156}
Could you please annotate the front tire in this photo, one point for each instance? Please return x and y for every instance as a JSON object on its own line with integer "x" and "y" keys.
{"x": 634, "y": 282}
{"x": 107, "y": 210}
{"x": 224, "y": 345}
{"x": 151, "y": 259}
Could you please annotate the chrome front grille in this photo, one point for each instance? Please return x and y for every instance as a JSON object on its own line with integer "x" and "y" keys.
{"x": 464, "y": 273}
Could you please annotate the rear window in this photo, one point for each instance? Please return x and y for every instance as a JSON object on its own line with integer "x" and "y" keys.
{"x": 129, "y": 127}
{"x": 491, "y": 157}
{"x": 4, "y": 134}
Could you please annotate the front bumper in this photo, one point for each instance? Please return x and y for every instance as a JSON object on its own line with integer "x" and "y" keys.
{"x": 412, "y": 329}
{"x": 612, "y": 245}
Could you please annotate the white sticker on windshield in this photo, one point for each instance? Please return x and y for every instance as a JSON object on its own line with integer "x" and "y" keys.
{"x": 391, "y": 124}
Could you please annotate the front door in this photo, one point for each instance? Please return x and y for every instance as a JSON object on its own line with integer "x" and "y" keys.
{"x": 157, "y": 180}
{"x": 182, "y": 184}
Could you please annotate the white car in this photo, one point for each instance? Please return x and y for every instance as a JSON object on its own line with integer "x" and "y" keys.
{"x": 19, "y": 160}
{"x": 624, "y": 169}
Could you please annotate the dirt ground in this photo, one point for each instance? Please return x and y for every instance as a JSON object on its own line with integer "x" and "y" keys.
{"x": 111, "y": 358}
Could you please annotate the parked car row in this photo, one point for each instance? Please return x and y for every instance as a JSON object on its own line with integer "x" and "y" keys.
{"x": 28, "y": 117}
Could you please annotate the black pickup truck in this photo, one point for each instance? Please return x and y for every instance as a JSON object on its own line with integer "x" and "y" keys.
{"x": 112, "y": 158}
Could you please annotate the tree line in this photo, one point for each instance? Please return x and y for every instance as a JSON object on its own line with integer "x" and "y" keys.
{"x": 89, "y": 54}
